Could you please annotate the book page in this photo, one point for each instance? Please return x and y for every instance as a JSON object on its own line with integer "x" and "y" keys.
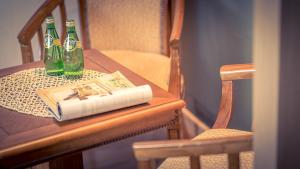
{"x": 81, "y": 91}
{"x": 115, "y": 81}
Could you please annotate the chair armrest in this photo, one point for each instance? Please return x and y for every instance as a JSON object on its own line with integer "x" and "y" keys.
{"x": 163, "y": 149}
{"x": 36, "y": 20}
{"x": 237, "y": 71}
{"x": 177, "y": 23}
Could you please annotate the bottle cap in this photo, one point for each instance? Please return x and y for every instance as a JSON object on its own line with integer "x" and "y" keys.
{"x": 70, "y": 23}
{"x": 49, "y": 19}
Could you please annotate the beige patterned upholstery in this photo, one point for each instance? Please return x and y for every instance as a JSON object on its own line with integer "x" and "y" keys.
{"x": 138, "y": 25}
{"x": 154, "y": 67}
{"x": 212, "y": 161}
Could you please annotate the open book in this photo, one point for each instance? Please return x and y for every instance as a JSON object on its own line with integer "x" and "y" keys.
{"x": 110, "y": 92}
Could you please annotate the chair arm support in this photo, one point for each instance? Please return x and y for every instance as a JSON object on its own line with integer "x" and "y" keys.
{"x": 225, "y": 109}
{"x": 175, "y": 81}
{"x": 237, "y": 71}
{"x": 193, "y": 118}
{"x": 177, "y": 23}
{"x": 144, "y": 151}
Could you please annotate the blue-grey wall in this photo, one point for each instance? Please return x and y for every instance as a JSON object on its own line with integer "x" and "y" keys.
{"x": 216, "y": 32}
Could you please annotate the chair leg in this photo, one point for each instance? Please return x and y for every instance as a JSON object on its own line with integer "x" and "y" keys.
{"x": 73, "y": 161}
{"x": 173, "y": 133}
{"x": 233, "y": 161}
{"x": 174, "y": 129}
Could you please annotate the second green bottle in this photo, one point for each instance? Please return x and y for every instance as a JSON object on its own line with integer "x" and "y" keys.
{"x": 73, "y": 53}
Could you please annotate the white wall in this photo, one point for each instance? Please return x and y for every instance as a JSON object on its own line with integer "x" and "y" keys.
{"x": 266, "y": 53}
{"x": 13, "y": 16}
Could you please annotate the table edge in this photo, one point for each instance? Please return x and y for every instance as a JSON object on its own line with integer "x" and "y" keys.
{"x": 81, "y": 132}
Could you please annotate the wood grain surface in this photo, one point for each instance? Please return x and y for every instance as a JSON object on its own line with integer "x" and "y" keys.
{"x": 237, "y": 71}
{"x": 177, "y": 148}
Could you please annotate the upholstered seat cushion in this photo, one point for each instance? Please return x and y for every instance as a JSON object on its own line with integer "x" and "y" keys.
{"x": 219, "y": 161}
{"x": 153, "y": 67}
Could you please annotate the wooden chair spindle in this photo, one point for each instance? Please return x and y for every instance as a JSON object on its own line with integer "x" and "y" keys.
{"x": 41, "y": 40}
{"x": 233, "y": 161}
{"x": 195, "y": 162}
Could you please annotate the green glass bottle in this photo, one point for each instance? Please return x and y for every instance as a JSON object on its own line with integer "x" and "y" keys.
{"x": 73, "y": 54}
{"x": 53, "y": 52}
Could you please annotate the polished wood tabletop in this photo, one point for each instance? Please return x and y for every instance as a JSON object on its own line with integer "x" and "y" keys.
{"x": 27, "y": 140}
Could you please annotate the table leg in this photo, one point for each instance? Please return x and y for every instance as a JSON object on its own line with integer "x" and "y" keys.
{"x": 174, "y": 129}
{"x": 73, "y": 161}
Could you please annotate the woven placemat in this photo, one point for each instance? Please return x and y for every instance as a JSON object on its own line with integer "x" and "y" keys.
{"x": 18, "y": 90}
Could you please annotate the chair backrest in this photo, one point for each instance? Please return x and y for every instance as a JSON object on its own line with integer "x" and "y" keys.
{"x": 228, "y": 74}
{"x": 34, "y": 26}
{"x": 138, "y": 25}
{"x": 145, "y": 152}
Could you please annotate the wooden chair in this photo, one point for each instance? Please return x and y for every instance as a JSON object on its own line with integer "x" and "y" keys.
{"x": 213, "y": 144}
{"x": 143, "y": 36}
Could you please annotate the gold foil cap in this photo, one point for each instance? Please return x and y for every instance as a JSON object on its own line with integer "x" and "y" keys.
{"x": 49, "y": 19}
{"x": 70, "y": 23}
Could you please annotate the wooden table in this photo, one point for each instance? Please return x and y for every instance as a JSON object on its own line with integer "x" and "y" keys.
{"x": 27, "y": 140}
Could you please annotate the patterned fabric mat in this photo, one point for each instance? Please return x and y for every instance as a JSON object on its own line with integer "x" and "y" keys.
{"x": 18, "y": 90}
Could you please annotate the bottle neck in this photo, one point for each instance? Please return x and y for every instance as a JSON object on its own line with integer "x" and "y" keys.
{"x": 71, "y": 32}
{"x": 51, "y": 30}
{"x": 50, "y": 26}
{"x": 71, "y": 29}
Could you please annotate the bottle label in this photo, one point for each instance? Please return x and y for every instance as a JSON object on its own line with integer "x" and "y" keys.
{"x": 48, "y": 42}
{"x": 56, "y": 42}
{"x": 71, "y": 44}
